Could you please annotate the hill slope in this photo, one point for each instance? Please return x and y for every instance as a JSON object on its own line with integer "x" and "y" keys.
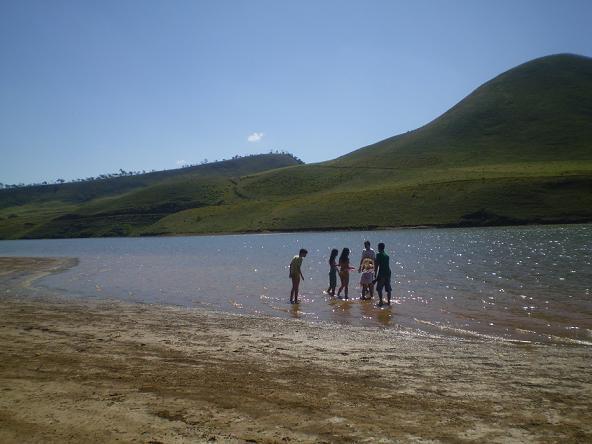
{"x": 516, "y": 150}
{"x": 538, "y": 111}
{"x": 121, "y": 205}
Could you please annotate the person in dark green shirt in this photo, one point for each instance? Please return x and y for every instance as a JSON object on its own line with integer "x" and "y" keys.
{"x": 383, "y": 274}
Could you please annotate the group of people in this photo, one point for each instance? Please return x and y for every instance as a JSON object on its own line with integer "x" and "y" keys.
{"x": 374, "y": 269}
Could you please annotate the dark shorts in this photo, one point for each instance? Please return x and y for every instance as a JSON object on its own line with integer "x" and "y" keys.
{"x": 384, "y": 282}
{"x": 333, "y": 278}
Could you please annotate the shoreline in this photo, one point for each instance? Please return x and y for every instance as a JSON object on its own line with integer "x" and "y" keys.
{"x": 75, "y": 370}
{"x": 332, "y": 229}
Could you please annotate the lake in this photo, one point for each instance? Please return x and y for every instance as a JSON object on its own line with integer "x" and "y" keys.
{"x": 514, "y": 283}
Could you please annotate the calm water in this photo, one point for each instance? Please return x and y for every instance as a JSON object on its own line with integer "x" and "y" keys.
{"x": 521, "y": 283}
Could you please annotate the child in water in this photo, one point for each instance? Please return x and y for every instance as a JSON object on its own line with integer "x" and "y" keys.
{"x": 332, "y": 272}
{"x": 296, "y": 274}
{"x": 367, "y": 277}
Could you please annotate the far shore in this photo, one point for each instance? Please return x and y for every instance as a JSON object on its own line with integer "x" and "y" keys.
{"x": 370, "y": 228}
{"x": 78, "y": 370}
{"x": 334, "y": 229}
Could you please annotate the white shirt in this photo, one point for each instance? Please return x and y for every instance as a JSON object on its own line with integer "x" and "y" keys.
{"x": 369, "y": 253}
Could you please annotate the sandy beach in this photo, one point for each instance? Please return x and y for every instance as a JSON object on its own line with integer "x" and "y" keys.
{"x": 74, "y": 370}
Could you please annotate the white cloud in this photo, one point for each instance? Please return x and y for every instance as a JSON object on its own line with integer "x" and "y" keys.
{"x": 181, "y": 162}
{"x": 255, "y": 137}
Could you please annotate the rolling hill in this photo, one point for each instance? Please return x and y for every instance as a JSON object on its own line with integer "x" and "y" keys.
{"x": 121, "y": 206}
{"x": 517, "y": 150}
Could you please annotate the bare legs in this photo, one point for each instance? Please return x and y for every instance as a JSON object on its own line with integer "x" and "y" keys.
{"x": 344, "y": 284}
{"x": 294, "y": 291}
{"x": 367, "y": 289}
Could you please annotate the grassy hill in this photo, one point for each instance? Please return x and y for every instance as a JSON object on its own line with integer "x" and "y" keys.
{"x": 123, "y": 205}
{"x": 539, "y": 111}
{"x": 517, "y": 150}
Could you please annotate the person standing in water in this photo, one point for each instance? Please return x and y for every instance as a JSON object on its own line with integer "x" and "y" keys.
{"x": 383, "y": 274}
{"x": 332, "y": 272}
{"x": 367, "y": 278}
{"x": 296, "y": 274}
{"x": 344, "y": 272}
{"x": 367, "y": 253}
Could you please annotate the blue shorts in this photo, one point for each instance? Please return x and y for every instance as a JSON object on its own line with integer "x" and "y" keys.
{"x": 384, "y": 282}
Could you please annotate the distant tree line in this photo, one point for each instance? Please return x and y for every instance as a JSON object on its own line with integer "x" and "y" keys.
{"x": 123, "y": 173}
{"x": 239, "y": 156}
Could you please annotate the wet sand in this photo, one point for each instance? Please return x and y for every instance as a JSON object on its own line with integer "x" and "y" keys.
{"x": 74, "y": 370}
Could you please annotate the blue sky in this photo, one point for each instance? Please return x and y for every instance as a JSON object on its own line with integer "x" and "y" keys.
{"x": 89, "y": 87}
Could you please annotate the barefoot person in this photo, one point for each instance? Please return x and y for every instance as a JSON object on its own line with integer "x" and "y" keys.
{"x": 344, "y": 268}
{"x": 296, "y": 274}
{"x": 367, "y": 253}
{"x": 332, "y": 272}
{"x": 367, "y": 278}
{"x": 383, "y": 274}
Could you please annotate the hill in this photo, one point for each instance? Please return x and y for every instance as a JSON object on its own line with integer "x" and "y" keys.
{"x": 517, "y": 150}
{"x": 539, "y": 111}
{"x": 121, "y": 205}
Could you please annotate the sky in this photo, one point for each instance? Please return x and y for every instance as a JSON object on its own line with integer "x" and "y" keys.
{"x": 89, "y": 87}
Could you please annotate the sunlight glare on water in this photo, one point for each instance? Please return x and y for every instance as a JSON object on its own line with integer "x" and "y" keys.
{"x": 520, "y": 283}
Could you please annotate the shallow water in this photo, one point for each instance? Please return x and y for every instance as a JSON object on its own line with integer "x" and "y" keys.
{"x": 519, "y": 283}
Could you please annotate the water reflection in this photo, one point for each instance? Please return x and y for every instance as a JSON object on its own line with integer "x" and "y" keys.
{"x": 384, "y": 315}
{"x": 340, "y": 309}
{"x": 367, "y": 309}
{"x": 295, "y": 311}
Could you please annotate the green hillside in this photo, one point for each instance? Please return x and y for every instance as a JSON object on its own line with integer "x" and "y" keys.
{"x": 539, "y": 111}
{"x": 121, "y": 206}
{"x": 517, "y": 150}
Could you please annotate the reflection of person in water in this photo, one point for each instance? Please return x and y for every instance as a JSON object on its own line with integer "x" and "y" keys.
{"x": 295, "y": 312}
{"x": 383, "y": 274}
{"x": 296, "y": 275}
{"x": 376, "y": 314}
{"x": 344, "y": 268}
{"x": 332, "y": 272}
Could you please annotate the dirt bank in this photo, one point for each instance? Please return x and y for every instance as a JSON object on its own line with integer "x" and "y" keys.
{"x": 105, "y": 371}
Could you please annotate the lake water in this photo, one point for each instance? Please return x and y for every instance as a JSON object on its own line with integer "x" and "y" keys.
{"x": 520, "y": 283}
